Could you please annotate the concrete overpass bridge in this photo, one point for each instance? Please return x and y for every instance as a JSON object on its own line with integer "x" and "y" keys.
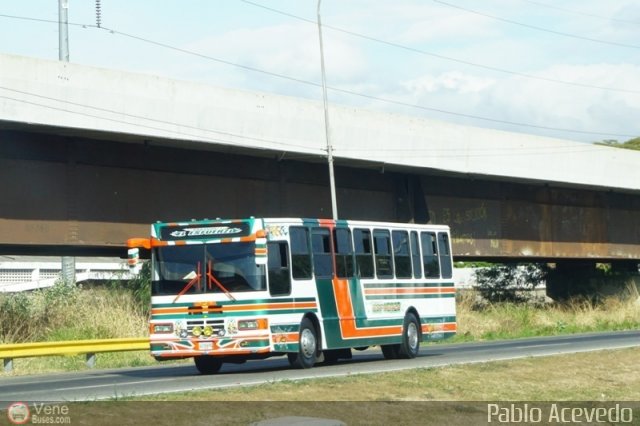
{"x": 89, "y": 157}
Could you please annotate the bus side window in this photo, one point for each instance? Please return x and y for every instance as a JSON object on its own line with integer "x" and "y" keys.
{"x": 401, "y": 254}
{"x": 382, "y": 250}
{"x": 344, "y": 252}
{"x": 321, "y": 247}
{"x": 415, "y": 255}
{"x": 278, "y": 266}
{"x": 430, "y": 255}
{"x": 364, "y": 254}
{"x": 445, "y": 255}
{"x": 300, "y": 254}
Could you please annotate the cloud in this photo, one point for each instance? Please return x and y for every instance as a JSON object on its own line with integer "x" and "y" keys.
{"x": 287, "y": 49}
{"x": 451, "y": 81}
{"x": 554, "y": 105}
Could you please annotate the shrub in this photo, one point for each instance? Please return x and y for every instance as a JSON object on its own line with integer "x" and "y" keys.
{"x": 25, "y": 316}
{"x": 509, "y": 282}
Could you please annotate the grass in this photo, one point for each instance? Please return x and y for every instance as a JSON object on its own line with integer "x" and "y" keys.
{"x": 69, "y": 313}
{"x": 410, "y": 397}
{"x": 612, "y": 375}
{"x": 509, "y": 320}
{"x": 405, "y": 397}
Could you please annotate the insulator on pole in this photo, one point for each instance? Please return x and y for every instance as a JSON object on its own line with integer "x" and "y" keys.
{"x": 98, "y": 14}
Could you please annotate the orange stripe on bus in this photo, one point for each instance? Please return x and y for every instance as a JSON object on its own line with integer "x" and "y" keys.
{"x": 348, "y": 326}
{"x": 436, "y": 328}
{"x": 161, "y": 311}
{"x": 285, "y": 338}
{"x": 249, "y": 307}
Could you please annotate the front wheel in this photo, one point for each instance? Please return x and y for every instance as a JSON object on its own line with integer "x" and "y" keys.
{"x": 207, "y": 364}
{"x": 307, "y": 346}
{"x": 410, "y": 337}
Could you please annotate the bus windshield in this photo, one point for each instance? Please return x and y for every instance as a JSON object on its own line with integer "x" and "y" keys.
{"x": 207, "y": 268}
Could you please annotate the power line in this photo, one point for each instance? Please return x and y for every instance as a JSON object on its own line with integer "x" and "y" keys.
{"x": 533, "y": 27}
{"x": 365, "y": 37}
{"x": 335, "y": 89}
{"x": 548, "y": 152}
{"x": 443, "y": 57}
{"x": 458, "y": 114}
{"x": 577, "y": 12}
{"x": 138, "y": 117}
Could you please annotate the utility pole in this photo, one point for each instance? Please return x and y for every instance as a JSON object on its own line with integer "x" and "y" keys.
{"x": 68, "y": 267}
{"x": 332, "y": 180}
{"x": 63, "y": 30}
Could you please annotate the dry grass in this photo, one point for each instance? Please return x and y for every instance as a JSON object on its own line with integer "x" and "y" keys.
{"x": 58, "y": 314}
{"x": 505, "y": 320}
{"x": 99, "y": 312}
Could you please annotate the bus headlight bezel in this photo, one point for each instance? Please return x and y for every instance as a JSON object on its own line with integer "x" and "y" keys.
{"x": 163, "y": 328}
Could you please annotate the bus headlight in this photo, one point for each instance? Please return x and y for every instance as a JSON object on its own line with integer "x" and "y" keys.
{"x": 196, "y": 331}
{"x": 253, "y": 324}
{"x": 163, "y": 328}
{"x": 207, "y": 331}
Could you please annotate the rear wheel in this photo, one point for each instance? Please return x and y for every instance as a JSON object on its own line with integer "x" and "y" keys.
{"x": 411, "y": 335}
{"x": 308, "y": 346}
{"x": 207, "y": 364}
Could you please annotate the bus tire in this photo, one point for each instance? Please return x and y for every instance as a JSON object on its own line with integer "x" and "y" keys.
{"x": 207, "y": 364}
{"x": 410, "y": 345}
{"x": 307, "y": 346}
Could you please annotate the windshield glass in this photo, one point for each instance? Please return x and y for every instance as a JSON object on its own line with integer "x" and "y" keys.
{"x": 210, "y": 268}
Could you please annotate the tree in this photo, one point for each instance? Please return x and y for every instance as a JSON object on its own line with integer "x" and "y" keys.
{"x": 630, "y": 144}
{"x": 509, "y": 283}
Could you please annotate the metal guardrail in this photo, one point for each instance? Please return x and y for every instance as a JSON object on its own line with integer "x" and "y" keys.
{"x": 70, "y": 347}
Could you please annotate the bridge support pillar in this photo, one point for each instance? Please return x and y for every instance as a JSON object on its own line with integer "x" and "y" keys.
{"x": 68, "y": 273}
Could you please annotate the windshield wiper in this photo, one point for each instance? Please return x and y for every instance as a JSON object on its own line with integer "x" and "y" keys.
{"x": 190, "y": 284}
{"x": 213, "y": 279}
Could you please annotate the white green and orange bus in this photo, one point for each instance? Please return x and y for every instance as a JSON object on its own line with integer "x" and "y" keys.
{"x": 227, "y": 291}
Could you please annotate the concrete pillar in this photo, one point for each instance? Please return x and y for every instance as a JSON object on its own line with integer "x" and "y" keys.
{"x": 68, "y": 273}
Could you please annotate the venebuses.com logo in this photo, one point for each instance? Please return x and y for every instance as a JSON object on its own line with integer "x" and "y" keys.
{"x": 18, "y": 413}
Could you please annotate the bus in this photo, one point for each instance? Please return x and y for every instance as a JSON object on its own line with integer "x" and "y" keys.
{"x": 228, "y": 291}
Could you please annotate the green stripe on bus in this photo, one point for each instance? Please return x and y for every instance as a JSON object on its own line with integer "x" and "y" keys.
{"x": 285, "y": 328}
{"x": 436, "y": 320}
{"x": 411, "y": 296}
{"x": 409, "y": 285}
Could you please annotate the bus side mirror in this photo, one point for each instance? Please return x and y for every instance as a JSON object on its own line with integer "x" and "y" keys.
{"x": 133, "y": 257}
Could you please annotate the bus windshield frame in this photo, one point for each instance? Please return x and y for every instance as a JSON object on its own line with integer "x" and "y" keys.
{"x": 207, "y": 268}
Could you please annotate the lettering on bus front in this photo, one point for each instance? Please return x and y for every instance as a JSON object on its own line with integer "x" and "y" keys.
{"x": 204, "y": 231}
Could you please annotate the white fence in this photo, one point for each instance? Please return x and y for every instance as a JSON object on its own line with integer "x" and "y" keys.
{"x": 19, "y": 273}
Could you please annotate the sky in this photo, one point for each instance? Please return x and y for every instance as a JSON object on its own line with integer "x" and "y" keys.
{"x": 568, "y": 69}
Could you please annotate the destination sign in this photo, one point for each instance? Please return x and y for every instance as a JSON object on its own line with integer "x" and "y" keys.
{"x": 205, "y": 232}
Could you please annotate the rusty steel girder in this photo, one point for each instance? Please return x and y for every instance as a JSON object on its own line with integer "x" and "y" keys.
{"x": 60, "y": 192}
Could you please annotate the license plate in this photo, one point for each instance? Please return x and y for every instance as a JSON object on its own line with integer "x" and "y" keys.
{"x": 206, "y": 346}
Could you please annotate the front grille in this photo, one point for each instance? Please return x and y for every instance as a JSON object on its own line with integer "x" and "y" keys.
{"x": 216, "y": 324}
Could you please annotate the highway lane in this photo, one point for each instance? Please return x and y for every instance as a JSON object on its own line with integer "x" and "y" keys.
{"x": 117, "y": 383}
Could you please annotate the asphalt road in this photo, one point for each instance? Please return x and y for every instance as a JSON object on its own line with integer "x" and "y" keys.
{"x": 117, "y": 383}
